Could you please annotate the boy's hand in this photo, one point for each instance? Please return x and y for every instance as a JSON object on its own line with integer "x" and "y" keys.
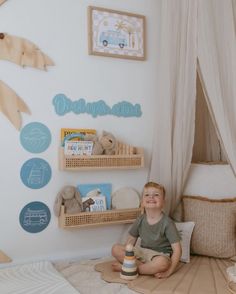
{"x": 177, "y": 250}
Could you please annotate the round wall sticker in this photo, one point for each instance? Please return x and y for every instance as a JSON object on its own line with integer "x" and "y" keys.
{"x": 35, "y": 217}
{"x": 35, "y": 173}
{"x": 35, "y": 137}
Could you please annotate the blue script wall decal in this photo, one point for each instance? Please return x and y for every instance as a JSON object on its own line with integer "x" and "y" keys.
{"x": 63, "y": 105}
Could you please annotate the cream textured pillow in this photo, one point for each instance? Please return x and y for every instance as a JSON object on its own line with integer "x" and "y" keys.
{"x": 185, "y": 231}
{"x": 214, "y": 233}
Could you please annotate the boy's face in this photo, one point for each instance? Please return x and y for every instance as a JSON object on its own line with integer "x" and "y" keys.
{"x": 153, "y": 198}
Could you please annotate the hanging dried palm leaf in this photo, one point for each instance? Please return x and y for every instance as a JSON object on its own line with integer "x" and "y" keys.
{"x": 22, "y": 52}
{"x": 12, "y": 105}
{"x": 2, "y": 1}
{"x": 4, "y": 258}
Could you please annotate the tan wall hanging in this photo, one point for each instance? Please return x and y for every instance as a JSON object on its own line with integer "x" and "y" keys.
{"x": 12, "y": 105}
{"x": 23, "y": 53}
{"x": 4, "y": 258}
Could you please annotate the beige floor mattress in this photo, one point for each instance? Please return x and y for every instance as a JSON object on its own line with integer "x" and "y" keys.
{"x": 202, "y": 275}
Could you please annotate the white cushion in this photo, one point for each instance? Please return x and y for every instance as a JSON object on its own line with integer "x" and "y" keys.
{"x": 185, "y": 230}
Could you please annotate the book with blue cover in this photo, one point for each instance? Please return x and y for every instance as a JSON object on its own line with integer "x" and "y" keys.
{"x": 93, "y": 190}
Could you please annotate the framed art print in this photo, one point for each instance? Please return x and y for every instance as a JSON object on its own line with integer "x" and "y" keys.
{"x": 115, "y": 33}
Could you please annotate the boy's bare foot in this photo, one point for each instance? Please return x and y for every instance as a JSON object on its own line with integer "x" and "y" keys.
{"x": 116, "y": 267}
{"x": 162, "y": 275}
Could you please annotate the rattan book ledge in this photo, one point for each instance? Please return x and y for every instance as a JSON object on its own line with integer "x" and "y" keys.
{"x": 98, "y": 218}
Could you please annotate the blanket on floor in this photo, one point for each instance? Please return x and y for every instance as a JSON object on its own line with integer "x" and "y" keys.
{"x": 202, "y": 275}
{"x": 34, "y": 278}
{"x": 83, "y": 276}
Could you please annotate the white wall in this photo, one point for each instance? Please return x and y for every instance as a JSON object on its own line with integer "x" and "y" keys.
{"x": 59, "y": 28}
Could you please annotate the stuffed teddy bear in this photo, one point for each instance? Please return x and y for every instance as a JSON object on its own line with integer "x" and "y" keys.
{"x": 108, "y": 142}
{"x": 70, "y": 198}
{"x": 97, "y": 146}
{"x": 105, "y": 144}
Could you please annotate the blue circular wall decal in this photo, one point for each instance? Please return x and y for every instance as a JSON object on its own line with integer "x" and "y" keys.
{"x": 35, "y": 217}
{"x": 35, "y": 173}
{"x": 35, "y": 137}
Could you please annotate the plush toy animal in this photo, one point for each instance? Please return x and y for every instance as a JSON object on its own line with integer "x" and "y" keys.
{"x": 105, "y": 144}
{"x": 70, "y": 198}
{"x": 108, "y": 142}
{"x": 97, "y": 146}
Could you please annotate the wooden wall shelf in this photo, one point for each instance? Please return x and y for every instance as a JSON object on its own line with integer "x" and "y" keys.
{"x": 98, "y": 218}
{"x": 92, "y": 162}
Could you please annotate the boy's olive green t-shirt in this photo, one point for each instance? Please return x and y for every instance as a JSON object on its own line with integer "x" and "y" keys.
{"x": 159, "y": 236}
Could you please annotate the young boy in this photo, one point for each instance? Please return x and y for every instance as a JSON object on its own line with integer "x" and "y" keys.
{"x": 160, "y": 249}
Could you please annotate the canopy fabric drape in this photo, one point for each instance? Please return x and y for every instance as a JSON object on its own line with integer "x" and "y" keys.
{"x": 174, "y": 130}
{"x": 200, "y": 30}
{"x": 207, "y": 146}
{"x": 217, "y": 68}
{"x": 234, "y": 12}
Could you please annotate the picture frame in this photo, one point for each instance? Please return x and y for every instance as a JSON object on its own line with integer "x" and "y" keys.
{"x": 115, "y": 33}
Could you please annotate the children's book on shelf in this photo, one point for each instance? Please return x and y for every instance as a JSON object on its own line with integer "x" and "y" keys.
{"x": 78, "y": 148}
{"x": 74, "y": 134}
{"x": 95, "y": 191}
{"x": 99, "y": 203}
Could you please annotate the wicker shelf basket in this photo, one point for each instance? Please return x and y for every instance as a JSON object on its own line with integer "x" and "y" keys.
{"x": 99, "y": 218}
{"x": 117, "y": 161}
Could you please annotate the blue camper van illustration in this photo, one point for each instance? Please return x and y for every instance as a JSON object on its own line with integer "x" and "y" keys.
{"x": 35, "y": 217}
{"x": 113, "y": 38}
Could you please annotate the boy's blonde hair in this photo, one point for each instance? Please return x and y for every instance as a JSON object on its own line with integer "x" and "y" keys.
{"x": 155, "y": 185}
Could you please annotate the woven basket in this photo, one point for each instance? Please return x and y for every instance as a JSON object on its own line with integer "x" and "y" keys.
{"x": 98, "y": 218}
{"x": 118, "y": 161}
